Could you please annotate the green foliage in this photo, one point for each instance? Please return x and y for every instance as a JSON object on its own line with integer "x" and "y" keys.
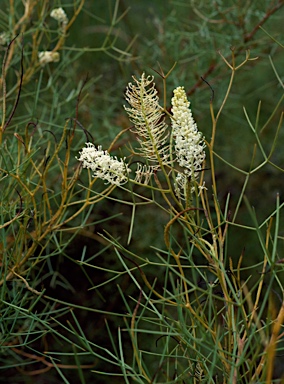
{"x": 140, "y": 283}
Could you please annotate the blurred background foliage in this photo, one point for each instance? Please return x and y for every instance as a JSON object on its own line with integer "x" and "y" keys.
{"x": 108, "y": 43}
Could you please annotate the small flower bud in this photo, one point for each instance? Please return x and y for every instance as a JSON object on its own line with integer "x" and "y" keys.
{"x": 48, "y": 57}
{"x": 59, "y": 15}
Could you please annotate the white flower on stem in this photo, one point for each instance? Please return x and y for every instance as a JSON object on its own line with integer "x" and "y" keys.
{"x": 184, "y": 186}
{"x": 189, "y": 142}
{"x": 148, "y": 119}
{"x": 181, "y": 185}
{"x": 103, "y": 165}
{"x": 46, "y": 57}
{"x": 144, "y": 173}
{"x": 59, "y": 15}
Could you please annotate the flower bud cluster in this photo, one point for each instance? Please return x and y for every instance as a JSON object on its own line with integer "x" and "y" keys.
{"x": 46, "y": 57}
{"x": 59, "y": 15}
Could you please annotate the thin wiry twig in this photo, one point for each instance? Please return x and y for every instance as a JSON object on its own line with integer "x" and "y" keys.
{"x": 19, "y": 89}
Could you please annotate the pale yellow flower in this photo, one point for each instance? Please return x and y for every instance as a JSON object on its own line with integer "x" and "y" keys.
{"x": 46, "y": 57}
{"x": 59, "y": 15}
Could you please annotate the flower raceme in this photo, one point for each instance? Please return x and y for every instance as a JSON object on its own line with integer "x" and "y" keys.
{"x": 189, "y": 142}
{"x": 103, "y": 165}
{"x": 148, "y": 118}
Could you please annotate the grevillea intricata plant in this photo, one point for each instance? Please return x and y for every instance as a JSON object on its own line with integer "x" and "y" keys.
{"x": 212, "y": 328}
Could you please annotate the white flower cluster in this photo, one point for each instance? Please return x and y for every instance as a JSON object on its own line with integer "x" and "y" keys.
{"x": 59, "y": 15}
{"x": 189, "y": 142}
{"x": 103, "y": 165}
{"x": 46, "y": 57}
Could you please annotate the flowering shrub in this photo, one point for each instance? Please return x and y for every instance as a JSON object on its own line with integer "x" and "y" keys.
{"x": 161, "y": 280}
{"x": 211, "y": 326}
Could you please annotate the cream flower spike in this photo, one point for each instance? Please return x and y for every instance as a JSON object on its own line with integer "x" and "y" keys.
{"x": 148, "y": 119}
{"x": 189, "y": 142}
